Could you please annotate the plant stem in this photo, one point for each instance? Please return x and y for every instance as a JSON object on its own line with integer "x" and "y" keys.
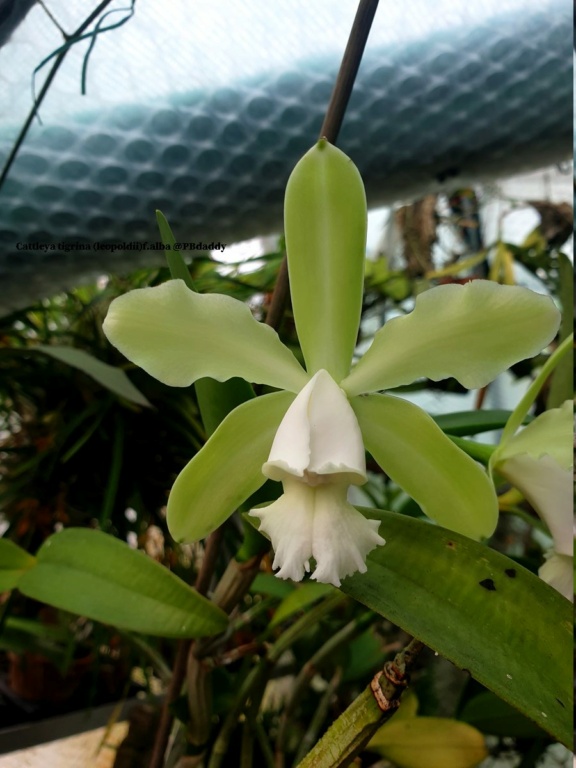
{"x": 255, "y": 681}
{"x": 350, "y": 733}
{"x": 330, "y": 128}
{"x": 341, "y": 637}
{"x": 183, "y": 648}
{"x": 348, "y": 70}
{"x": 319, "y": 716}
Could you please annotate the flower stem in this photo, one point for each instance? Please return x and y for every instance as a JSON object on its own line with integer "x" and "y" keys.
{"x": 519, "y": 413}
{"x": 330, "y": 128}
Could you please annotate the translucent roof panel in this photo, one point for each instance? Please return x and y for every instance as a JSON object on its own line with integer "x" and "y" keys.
{"x": 201, "y": 109}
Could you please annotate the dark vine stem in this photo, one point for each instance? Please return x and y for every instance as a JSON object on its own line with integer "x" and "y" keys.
{"x": 330, "y": 128}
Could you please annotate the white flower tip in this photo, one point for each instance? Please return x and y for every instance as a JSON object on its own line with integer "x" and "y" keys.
{"x": 319, "y": 434}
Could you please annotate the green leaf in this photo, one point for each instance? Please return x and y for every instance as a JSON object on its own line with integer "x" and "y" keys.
{"x": 463, "y": 423}
{"x": 176, "y": 263}
{"x": 479, "y": 609}
{"x": 14, "y": 562}
{"x": 447, "y": 484}
{"x": 364, "y": 655}
{"x": 110, "y": 377}
{"x": 325, "y": 224}
{"x": 493, "y": 716}
{"x": 472, "y": 332}
{"x": 267, "y": 584}
{"x": 95, "y": 575}
{"x": 430, "y": 742}
{"x": 179, "y": 336}
{"x": 227, "y": 470}
{"x": 303, "y": 596}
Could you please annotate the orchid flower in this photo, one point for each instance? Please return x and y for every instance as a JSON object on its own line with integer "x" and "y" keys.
{"x": 538, "y": 462}
{"x": 311, "y": 434}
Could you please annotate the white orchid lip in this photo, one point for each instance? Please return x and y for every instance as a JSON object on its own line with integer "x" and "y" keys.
{"x": 317, "y": 522}
{"x": 319, "y": 439}
{"x": 318, "y": 453}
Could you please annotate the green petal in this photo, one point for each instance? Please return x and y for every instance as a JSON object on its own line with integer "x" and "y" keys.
{"x": 472, "y": 332}
{"x": 179, "y": 336}
{"x": 325, "y": 223}
{"x": 448, "y": 485}
{"x": 227, "y": 470}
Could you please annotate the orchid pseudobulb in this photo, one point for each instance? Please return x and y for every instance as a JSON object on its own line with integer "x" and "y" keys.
{"x": 311, "y": 435}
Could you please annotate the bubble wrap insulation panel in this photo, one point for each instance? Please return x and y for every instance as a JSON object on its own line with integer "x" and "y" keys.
{"x": 450, "y": 101}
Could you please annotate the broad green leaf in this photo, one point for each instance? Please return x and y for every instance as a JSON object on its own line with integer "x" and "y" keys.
{"x": 325, "y": 225}
{"x": 430, "y": 742}
{"x": 447, "y": 484}
{"x": 179, "y": 336}
{"x": 14, "y": 562}
{"x": 463, "y": 423}
{"x": 480, "y": 610}
{"x": 303, "y": 596}
{"x": 227, "y": 470}
{"x": 95, "y": 575}
{"x": 493, "y": 716}
{"x": 108, "y": 376}
{"x": 472, "y": 332}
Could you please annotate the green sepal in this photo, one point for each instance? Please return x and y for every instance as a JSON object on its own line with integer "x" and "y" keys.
{"x": 325, "y": 224}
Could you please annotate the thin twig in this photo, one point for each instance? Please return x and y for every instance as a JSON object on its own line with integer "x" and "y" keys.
{"x": 330, "y": 128}
{"x": 44, "y": 90}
